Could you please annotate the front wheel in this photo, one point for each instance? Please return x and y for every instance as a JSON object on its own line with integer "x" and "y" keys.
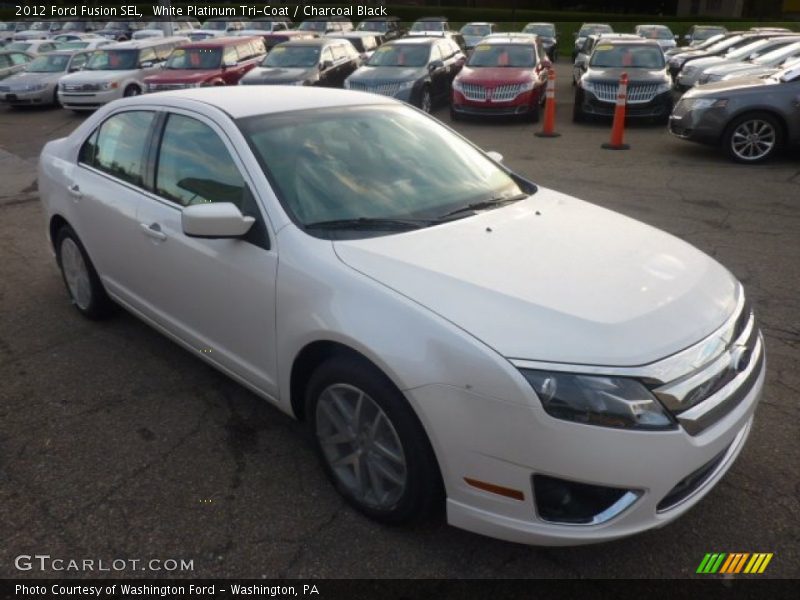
{"x": 578, "y": 115}
{"x": 426, "y": 100}
{"x": 752, "y": 138}
{"x": 80, "y": 277}
{"x": 132, "y": 90}
{"x": 370, "y": 442}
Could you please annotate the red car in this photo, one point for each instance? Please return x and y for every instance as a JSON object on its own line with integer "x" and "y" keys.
{"x": 220, "y": 61}
{"x": 505, "y": 75}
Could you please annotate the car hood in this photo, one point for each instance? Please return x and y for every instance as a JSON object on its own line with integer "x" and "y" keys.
{"x": 25, "y": 78}
{"x": 727, "y": 67}
{"x": 500, "y": 74}
{"x": 553, "y": 278}
{"x": 181, "y": 76}
{"x": 708, "y": 61}
{"x": 753, "y": 71}
{"x": 367, "y": 73}
{"x": 96, "y": 76}
{"x": 749, "y": 84}
{"x": 655, "y": 75}
{"x": 281, "y": 73}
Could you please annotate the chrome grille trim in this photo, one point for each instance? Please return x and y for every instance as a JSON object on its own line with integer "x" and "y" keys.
{"x": 499, "y": 93}
{"x": 80, "y": 87}
{"x": 384, "y": 88}
{"x": 163, "y": 87}
{"x": 638, "y": 93}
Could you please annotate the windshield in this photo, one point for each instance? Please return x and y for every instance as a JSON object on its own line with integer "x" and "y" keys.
{"x": 476, "y": 30}
{"x": 72, "y": 26}
{"x": 41, "y": 26}
{"x": 371, "y": 162}
{"x": 505, "y": 55}
{"x": 113, "y": 60}
{"x": 745, "y": 51}
{"x": 195, "y": 58}
{"x": 73, "y": 45}
{"x": 379, "y": 26}
{"x": 656, "y": 33}
{"x": 540, "y": 29}
{"x": 704, "y": 34}
{"x": 400, "y": 55}
{"x": 312, "y": 26}
{"x": 710, "y": 41}
{"x": 292, "y": 56}
{"x": 261, "y": 25}
{"x": 215, "y": 25}
{"x": 428, "y": 26}
{"x": 725, "y": 44}
{"x": 49, "y": 63}
{"x": 6, "y": 27}
{"x": 775, "y": 57}
{"x": 18, "y": 46}
{"x": 628, "y": 56}
{"x": 590, "y": 29}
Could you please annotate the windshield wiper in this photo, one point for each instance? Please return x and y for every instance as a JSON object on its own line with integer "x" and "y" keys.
{"x": 485, "y": 205}
{"x": 371, "y": 223}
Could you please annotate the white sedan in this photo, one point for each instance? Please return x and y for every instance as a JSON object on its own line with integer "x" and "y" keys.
{"x": 559, "y": 373}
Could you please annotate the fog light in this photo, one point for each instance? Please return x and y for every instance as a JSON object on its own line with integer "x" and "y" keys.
{"x": 570, "y": 502}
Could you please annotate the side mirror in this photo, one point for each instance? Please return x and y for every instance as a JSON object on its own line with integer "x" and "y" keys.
{"x": 677, "y": 37}
{"x": 148, "y": 64}
{"x": 495, "y": 156}
{"x": 226, "y": 64}
{"x": 436, "y": 64}
{"x": 325, "y": 65}
{"x": 215, "y": 220}
{"x": 546, "y": 64}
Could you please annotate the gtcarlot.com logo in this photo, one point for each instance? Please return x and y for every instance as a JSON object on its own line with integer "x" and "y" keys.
{"x": 45, "y": 562}
{"x": 731, "y": 563}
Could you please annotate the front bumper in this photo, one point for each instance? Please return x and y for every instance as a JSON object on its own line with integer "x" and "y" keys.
{"x": 44, "y": 96}
{"x": 88, "y": 100}
{"x": 704, "y": 125}
{"x": 653, "y": 464}
{"x": 523, "y": 104}
{"x": 658, "y": 107}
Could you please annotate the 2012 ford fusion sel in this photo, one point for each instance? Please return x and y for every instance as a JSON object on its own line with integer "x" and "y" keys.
{"x": 555, "y": 372}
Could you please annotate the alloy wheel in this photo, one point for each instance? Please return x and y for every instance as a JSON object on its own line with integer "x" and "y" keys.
{"x": 361, "y": 446}
{"x": 76, "y": 274}
{"x": 753, "y": 140}
{"x": 426, "y": 103}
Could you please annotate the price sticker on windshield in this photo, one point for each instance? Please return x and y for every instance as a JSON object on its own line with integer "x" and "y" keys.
{"x": 483, "y": 47}
{"x": 278, "y": 50}
{"x": 605, "y": 47}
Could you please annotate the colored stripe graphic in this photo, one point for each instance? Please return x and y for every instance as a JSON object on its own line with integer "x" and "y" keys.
{"x": 734, "y": 562}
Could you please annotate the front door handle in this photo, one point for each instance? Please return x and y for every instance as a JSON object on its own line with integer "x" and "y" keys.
{"x": 75, "y": 191}
{"x": 154, "y": 231}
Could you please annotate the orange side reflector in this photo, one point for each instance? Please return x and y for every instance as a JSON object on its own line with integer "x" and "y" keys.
{"x": 495, "y": 489}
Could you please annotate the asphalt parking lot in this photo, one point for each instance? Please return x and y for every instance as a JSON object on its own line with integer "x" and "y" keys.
{"x": 116, "y": 443}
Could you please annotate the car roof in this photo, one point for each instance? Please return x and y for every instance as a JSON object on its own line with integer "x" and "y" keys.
{"x": 308, "y": 42}
{"x": 436, "y": 19}
{"x": 661, "y": 25}
{"x": 629, "y": 42}
{"x": 221, "y": 41}
{"x": 506, "y": 39}
{"x": 247, "y": 101}
{"x": 381, "y": 19}
{"x": 147, "y": 42}
{"x": 67, "y": 51}
{"x": 417, "y": 39}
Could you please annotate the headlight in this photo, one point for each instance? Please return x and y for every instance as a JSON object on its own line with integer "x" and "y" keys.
{"x": 457, "y": 86}
{"x": 689, "y": 70}
{"x": 527, "y": 86}
{"x": 109, "y": 85}
{"x": 347, "y": 84}
{"x": 701, "y": 103}
{"x": 37, "y": 87}
{"x": 587, "y": 85}
{"x": 597, "y": 400}
{"x": 406, "y": 85}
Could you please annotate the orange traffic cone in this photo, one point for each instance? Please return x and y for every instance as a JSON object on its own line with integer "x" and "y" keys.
{"x": 618, "y": 129}
{"x": 549, "y": 127}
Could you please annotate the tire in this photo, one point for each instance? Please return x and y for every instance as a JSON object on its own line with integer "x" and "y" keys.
{"x": 80, "y": 277}
{"x": 535, "y": 113}
{"x": 131, "y": 90}
{"x": 578, "y": 116}
{"x": 768, "y": 132}
{"x": 56, "y": 102}
{"x": 425, "y": 100}
{"x": 399, "y": 480}
{"x": 454, "y": 116}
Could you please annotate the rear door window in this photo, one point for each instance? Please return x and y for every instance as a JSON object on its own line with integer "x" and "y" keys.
{"x": 118, "y": 147}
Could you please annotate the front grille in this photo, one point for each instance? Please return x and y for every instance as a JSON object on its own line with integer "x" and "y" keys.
{"x": 687, "y": 486}
{"x": 638, "y": 93}
{"x": 80, "y": 87}
{"x": 384, "y": 88}
{"x": 163, "y": 87}
{"x": 499, "y": 93}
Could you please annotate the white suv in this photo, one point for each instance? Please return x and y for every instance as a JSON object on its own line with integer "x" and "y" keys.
{"x": 115, "y": 72}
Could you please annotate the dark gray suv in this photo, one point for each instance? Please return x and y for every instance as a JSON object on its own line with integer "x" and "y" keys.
{"x": 751, "y": 118}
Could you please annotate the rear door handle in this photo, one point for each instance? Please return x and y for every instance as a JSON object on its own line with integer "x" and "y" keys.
{"x": 154, "y": 231}
{"x": 75, "y": 191}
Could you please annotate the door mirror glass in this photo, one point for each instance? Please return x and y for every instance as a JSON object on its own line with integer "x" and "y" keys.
{"x": 215, "y": 220}
{"x": 435, "y": 64}
{"x": 148, "y": 64}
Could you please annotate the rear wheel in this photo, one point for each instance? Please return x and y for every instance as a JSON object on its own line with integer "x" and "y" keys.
{"x": 132, "y": 90}
{"x": 370, "y": 442}
{"x": 752, "y": 138}
{"x": 80, "y": 277}
{"x": 426, "y": 100}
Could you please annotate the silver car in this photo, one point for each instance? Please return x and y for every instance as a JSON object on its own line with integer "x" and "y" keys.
{"x": 13, "y": 62}
{"x": 750, "y": 118}
{"x": 38, "y": 83}
{"x": 763, "y": 65}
